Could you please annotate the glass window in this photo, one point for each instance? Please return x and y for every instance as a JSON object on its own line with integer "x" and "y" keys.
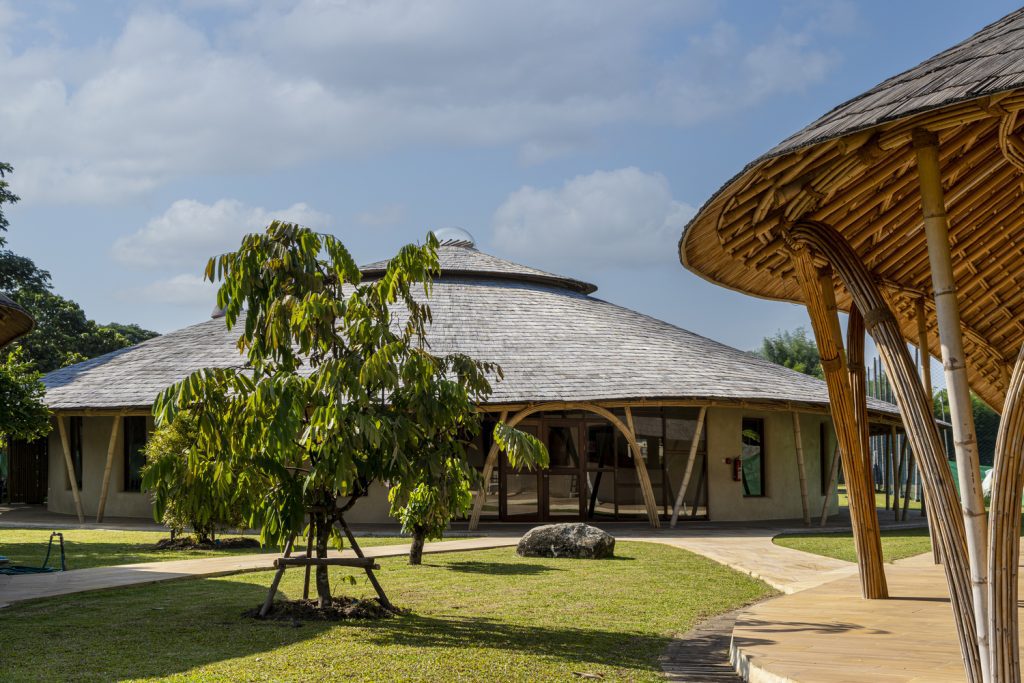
{"x": 75, "y": 444}
{"x": 752, "y": 457}
{"x": 135, "y": 435}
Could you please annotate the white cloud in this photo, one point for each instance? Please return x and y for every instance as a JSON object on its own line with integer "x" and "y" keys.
{"x": 181, "y": 290}
{"x": 189, "y": 232}
{"x": 284, "y": 83}
{"x": 621, "y": 218}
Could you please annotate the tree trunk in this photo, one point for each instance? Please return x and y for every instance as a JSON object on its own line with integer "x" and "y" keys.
{"x": 323, "y": 583}
{"x": 419, "y": 537}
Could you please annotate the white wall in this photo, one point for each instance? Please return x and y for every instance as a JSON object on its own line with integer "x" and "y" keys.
{"x": 95, "y": 439}
{"x": 782, "y": 483}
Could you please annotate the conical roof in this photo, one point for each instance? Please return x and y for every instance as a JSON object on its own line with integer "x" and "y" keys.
{"x": 553, "y": 341}
{"x": 855, "y": 170}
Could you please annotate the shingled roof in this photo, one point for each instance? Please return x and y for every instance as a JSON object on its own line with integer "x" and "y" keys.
{"x": 553, "y": 342}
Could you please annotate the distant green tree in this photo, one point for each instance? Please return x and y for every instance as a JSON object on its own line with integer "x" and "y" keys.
{"x": 794, "y": 350}
{"x": 986, "y": 424}
{"x": 23, "y": 415}
{"x": 63, "y": 334}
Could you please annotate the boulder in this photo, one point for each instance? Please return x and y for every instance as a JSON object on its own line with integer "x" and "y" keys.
{"x": 577, "y": 540}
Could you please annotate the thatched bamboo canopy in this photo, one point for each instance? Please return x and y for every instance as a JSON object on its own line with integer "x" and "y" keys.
{"x": 14, "y": 321}
{"x": 855, "y": 170}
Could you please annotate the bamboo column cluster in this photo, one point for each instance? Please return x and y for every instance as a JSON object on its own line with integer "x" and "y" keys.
{"x": 917, "y": 416}
{"x": 820, "y": 297}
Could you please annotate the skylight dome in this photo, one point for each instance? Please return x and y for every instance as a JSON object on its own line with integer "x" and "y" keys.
{"x": 454, "y": 237}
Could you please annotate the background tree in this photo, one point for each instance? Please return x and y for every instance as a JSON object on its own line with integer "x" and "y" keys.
{"x": 340, "y": 390}
{"x": 986, "y": 424}
{"x": 63, "y": 334}
{"x": 794, "y": 350}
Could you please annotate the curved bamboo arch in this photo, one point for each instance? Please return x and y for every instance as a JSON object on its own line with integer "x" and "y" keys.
{"x": 918, "y": 421}
{"x": 626, "y": 429}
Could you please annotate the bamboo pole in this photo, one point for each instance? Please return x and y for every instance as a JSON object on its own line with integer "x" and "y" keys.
{"x": 801, "y": 469}
{"x": 857, "y": 371}
{"x": 70, "y": 466}
{"x": 698, "y": 430}
{"x": 646, "y": 490}
{"x": 820, "y": 297}
{"x": 909, "y": 455}
{"x": 833, "y": 475}
{"x": 926, "y": 382}
{"x": 1004, "y": 531}
{"x": 918, "y": 422}
{"x": 107, "y": 469}
{"x": 947, "y": 312}
{"x": 481, "y": 496}
{"x": 896, "y": 496}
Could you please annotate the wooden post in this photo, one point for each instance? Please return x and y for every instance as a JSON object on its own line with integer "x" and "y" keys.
{"x": 917, "y": 419}
{"x": 833, "y": 475}
{"x": 1004, "y": 531}
{"x": 857, "y": 369}
{"x": 70, "y": 466}
{"x": 698, "y": 430}
{"x": 926, "y": 382}
{"x": 481, "y": 496}
{"x": 641, "y": 472}
{"x": 947, "y": 313}
{"x": 107, "y": 469}
{"x": 819, "y": 296}
{"x": 801, "y": 470}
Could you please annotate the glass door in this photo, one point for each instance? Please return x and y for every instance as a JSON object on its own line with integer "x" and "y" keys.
{"x": 563, "y": 497}
{"x": 520, "y": 495}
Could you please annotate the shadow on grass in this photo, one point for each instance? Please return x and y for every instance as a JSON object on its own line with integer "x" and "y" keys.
{"x": 497, "y": 568}
{"x": 175, "y": 627}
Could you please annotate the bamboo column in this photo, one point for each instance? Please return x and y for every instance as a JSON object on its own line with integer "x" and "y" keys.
{"x": 801, "y": 469}
{"x": 918, "y": 422}
{"x": 820, "y": 297}
{"x": 947, "y": 312}
{"x": 646, "y": 490}
{"x": 481, "y": 496}
{"x": 855, "y": 334}
{"x": 102, "y": 506}
{"x": 698, "y": 430}
{"x": 898, "y": 478}
{"x": 926, "y": 381}
{"x": 70, "y": 466}
{"x": 1004, "y": 531}
{"x": 833, "y": 474}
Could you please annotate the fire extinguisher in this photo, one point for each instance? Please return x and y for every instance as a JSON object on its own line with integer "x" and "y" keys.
{"x": 736, "y": 463}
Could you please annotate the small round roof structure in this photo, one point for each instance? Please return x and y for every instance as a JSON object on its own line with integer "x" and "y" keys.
{"x": 15, "y": 321}
{"x": 855, "y": 170}
{"x": 553, "y": 341}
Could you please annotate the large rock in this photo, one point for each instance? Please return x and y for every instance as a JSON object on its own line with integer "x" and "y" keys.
{"x": 567, "y": 540}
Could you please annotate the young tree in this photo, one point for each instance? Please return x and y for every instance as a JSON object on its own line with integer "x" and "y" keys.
{"x": 339, "y": 391}
{"x": 23, "y": 415}
{"x": 794, "y": 350}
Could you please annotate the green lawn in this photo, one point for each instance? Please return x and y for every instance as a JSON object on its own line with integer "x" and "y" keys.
{"x": 100, "y": 548}
{"x": 844, "y": 501}
{"x": 480, "y": 616}
{"x": 896, "y": 544}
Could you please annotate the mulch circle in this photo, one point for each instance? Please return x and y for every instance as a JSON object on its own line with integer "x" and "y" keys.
{"x": 340, "y": 609}
{"x": 189, "y": 543}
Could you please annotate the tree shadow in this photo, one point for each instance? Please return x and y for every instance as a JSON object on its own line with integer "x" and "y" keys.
{"x": 497, "y": 568}
{"x": 173, "y": 627}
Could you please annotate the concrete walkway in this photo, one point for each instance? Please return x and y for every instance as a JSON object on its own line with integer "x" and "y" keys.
{"x": 32, "y": 586}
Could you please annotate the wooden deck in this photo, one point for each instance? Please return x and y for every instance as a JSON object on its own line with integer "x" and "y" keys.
{"x": 829, "y": 634}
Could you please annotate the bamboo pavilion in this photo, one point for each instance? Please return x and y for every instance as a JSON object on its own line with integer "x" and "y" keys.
{"x": 15, "y": 321}
{"x": 904, "y": 207}
{"x": 643, "y": 420}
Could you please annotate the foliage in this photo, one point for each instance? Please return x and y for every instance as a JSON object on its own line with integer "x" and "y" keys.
{"x": 794, "y": 350}
{"x": 986, "y": 424}
{"x": 23, "y": 415}
{"x": 184, "y": 496}
{"x": 339, "y": 391}
{"x": 63, "y": 335}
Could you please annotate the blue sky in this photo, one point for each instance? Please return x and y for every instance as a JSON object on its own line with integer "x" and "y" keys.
{"x": 574, "y": 136}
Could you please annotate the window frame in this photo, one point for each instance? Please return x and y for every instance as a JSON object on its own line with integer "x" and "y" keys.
{"x": 760, "y": 421}
{"x": 129, "y": 424}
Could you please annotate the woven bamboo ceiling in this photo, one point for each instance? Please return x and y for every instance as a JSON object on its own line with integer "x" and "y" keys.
{"x": 855, "y": 169}
{"x": 14, "y": 321}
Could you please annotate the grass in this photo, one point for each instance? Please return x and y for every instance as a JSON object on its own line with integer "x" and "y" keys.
{"x": 100, "y": 548}
{"x": 896, "y": 544}
{"x": 481, "y": 616}
{"x": 844, "y": 501}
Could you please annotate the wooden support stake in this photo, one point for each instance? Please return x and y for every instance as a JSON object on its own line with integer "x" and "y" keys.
{"x": 798, "y": 443}
{"x": 381, "y": 596}
{"x": 947, "y": 313}
{"x": 268, "y": 603}
{"x": 698, "y": 430}
{"x": 481, "y": 496}
{"x": 650, "y": 502}
{"x": 833, "y": 475}
{"x": 70, "y": 466}
{"x": 309, "y": 554}
{"x": 108, "y": 468}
